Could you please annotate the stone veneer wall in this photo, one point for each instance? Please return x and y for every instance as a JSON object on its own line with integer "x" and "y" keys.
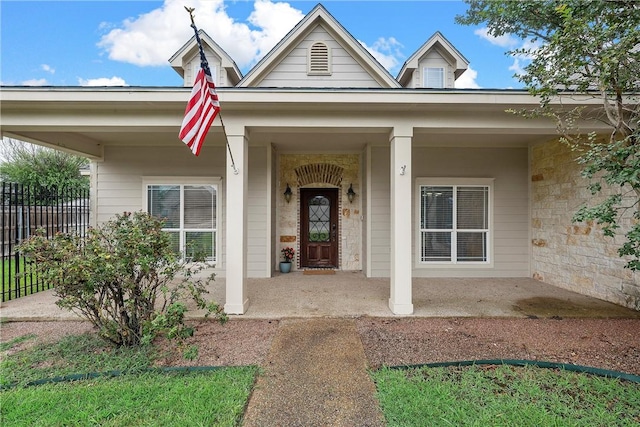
{"x": 574, "y": 256}
{"x": 350, "y": 222}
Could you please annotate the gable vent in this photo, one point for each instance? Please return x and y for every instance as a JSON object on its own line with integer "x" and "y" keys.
{"x": 319, "y": 59}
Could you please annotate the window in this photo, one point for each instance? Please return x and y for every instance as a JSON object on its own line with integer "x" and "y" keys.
{"x": 319, "y": 59}
{"x": 190, "y": 212}
{"x": 433, "y": 77}
{"x": 454, "y": 221}
{"x": 195, "y": 68}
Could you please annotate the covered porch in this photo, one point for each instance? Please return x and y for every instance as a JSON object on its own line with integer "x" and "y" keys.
{"x": 397, "y": 137}
{"x": 351, "y": 294}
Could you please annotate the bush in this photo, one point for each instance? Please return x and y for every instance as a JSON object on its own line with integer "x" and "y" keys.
{"x": 124, "y": 277}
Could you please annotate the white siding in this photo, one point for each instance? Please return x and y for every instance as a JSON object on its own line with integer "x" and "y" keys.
{"x": 258, "y": 229}
{"x": 192, "y": 65}
{"x": 364, "y": 191}
{"x": 119, "y": 188}
{"x": 380, "y": 215}
{"x": 119, "y": 177}
{"x": 434, "y": 59}
{"x": 273, "y": 247}
{"x": 511, "y": 203}
{"x": 292, "y": 70}
{"x": 511, "y": 206}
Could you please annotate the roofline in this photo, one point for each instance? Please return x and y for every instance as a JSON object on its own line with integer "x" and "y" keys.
{"x": 59, "y": 88}
{"x": 43, "y": 97}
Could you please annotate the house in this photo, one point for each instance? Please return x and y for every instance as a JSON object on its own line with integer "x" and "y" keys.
{"x": 443, "y": 182}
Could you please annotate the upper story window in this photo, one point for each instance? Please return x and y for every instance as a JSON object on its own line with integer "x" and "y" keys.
{"x": 433, "y": 77}
{"x": 319, "y": 59}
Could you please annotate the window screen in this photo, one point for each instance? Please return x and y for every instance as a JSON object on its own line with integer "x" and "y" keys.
{"x": 454, "y": 223}
{"x": 433, "y": 77}
{"x": 189, "y": 212}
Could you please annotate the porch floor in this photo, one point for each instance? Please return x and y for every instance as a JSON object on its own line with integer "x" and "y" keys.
{"x": 351, "y": 294}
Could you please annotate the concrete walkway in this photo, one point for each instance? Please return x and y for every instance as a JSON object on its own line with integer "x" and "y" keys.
{"x": 315, "y": 375}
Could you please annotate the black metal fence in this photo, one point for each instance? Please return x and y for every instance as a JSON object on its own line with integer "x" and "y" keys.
{"x": 24, "y": 210}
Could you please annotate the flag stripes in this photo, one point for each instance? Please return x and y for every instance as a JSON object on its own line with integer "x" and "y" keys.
{"x": 201, "y": 110}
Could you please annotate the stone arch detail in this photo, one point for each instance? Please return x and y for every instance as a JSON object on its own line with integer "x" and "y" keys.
{"x": 325, "y": 173}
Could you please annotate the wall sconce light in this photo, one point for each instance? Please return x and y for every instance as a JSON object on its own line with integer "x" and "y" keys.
{"x": 351, "y": 195}
{"x": 288, "y": 194}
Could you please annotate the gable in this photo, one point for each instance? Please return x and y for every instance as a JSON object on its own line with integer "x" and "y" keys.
{"x": 186, "y": 62}
{"x": 438, "y": 59}
{"x": 437, "y": 52}
{"x": 191, "y": 66}
{"x": 333, "y": 66}
{"x": 349, "y": 63}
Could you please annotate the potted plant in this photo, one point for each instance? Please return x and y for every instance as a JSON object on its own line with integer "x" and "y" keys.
{"x": 288, "y": 254}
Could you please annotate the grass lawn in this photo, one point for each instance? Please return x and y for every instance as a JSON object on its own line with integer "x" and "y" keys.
{"x": 141, "y": 398}
{"x": 504, "y": 396}
{"x": 215, "y": 398}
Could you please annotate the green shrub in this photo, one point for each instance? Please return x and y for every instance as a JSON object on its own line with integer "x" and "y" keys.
{"x": 124, "y": 277}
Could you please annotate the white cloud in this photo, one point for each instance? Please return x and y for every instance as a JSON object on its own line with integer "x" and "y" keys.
{"x": 274, "y": 21}
{"x": 509, "y": 42}
{"x": 151, "y": 38}
{"x": 522, "y": 60}
{"x": 48, "y": 68}
{"x": 35, "y": 82}
{"x": 386, "y": 51}
{"x": 102, "y": 81}
{"x": 533, "y": 46}
{"x": 467, "y": 80}
{"x": 517, "y": 67}
{"x": 505, "y": 40}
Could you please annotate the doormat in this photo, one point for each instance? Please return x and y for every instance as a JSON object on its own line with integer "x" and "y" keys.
{"x": 319, "y": 271}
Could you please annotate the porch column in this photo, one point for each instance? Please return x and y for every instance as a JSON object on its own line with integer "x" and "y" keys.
{"x": 236, "y": 223}
{"x": 400, "y": 301}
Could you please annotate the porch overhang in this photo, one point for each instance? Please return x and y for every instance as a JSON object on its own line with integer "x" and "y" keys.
{"x": 85, "y": 120}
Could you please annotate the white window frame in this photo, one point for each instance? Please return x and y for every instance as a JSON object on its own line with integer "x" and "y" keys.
{"x": 425, "y": 77}
{"x": 215, "y": 182}
{"x": 454, "y": 263}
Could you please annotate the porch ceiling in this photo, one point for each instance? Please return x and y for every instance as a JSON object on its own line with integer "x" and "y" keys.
{"x": 90, "y": 143}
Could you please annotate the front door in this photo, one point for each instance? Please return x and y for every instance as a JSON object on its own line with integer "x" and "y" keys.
{"x": 319, "y": 227}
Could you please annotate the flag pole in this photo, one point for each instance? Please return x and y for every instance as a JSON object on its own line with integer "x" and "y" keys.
{"x": 204, "y": 62}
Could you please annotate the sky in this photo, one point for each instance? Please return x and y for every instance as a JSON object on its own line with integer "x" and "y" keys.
{"x": 129, "y": 43}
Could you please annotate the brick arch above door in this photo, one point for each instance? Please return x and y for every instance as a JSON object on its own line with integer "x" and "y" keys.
{"x": 324, "y": 173}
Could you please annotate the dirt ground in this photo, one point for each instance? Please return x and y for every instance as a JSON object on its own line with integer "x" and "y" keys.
{"x": 602, "y": 343}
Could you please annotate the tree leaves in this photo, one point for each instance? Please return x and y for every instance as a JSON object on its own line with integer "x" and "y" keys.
{"x": 588, "y": 48}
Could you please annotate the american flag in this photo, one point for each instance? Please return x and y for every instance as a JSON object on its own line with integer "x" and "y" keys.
{"x": 202, "y": 108}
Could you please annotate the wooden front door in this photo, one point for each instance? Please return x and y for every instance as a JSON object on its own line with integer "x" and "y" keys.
{"x": 319, "y": 235}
